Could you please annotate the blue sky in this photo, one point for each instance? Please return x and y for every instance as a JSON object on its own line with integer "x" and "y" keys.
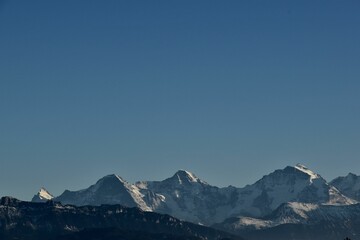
{"x": 230, "y": 90}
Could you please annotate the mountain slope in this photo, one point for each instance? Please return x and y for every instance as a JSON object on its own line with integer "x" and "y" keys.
{"x": 349, "y": 185}
{"x": 27, "y": 220}
{"x": 291, "y": 184}
{"x": 299, "y": 221}
{"x": 187, "y": 197}
{"x": 111, "y": 189}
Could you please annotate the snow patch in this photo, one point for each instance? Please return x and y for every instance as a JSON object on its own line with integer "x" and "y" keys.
{"x": 306, "y": 170}
{"x": 43, "y": 194}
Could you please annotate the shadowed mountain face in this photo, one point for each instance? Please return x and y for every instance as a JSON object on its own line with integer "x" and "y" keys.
{"x": 349, "y": 185}
{"x": 299, "y": 221}
{"x": 187, "y": 197}
{"x": 111, "y": 189}
{"x": 50, "y": 220}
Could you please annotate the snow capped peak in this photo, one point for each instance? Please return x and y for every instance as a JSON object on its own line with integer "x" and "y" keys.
{"x": 110, "y": 180}
{"x": 306, "y": 170}
{"x": 42, "y": 196}
{"x": 183, "y": 173}
{"x": 183, "y": 176}
{"x": 114, "y": 177}
{"x": 301, "y": 166}
{"x": 111, "y": 189}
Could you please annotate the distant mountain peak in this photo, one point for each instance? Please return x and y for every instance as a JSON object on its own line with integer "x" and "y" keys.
{"x": 183, "y": 173}
{"x": 111, "y": 189}
{"x": 183, "y": 176}
{"x": 352, "y": 175}
{"x": 113, "y": 177}
{"x": 349, "y": 185}
{"x": 298, "y": 171}
{"x": 301, "y": 166}
{"x": 306, "y": 170}
{"x": 42, "y": 196}
{"x": 44, "y": 192}
{"x": 110, "y": 180}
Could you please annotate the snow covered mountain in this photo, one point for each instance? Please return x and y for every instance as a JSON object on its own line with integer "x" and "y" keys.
{"x": 291, "y": 184}
{"x": 187, "y": 197}
{"x": 295, "y": 220}
{"x": 111, "y": 189}
{"x": 349, "y": 185}
{"x": 42, "y": 196}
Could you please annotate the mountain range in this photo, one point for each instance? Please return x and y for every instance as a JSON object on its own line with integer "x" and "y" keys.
{"x": 189, "y": 198}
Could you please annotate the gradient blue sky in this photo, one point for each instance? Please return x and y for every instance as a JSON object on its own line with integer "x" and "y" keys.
{"x": 230, "y": 90}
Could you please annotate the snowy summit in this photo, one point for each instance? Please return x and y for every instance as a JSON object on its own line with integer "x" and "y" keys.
{"x": 307, "y": 171}
{"x": 183, "y": 176}
{"x": 42, "y": 196}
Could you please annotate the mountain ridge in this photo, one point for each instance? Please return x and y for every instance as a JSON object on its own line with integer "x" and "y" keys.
{"x": 349, "y": 184}
{"x": 53, "y": 220}
{"x": 299, "y": 221}
{"x": 187, "y": 197}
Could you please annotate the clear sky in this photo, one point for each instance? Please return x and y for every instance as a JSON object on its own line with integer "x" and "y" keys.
{"x": 230, "y": 90}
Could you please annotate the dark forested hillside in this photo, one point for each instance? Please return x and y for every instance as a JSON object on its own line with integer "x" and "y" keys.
{"x": 50, "y": 220}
